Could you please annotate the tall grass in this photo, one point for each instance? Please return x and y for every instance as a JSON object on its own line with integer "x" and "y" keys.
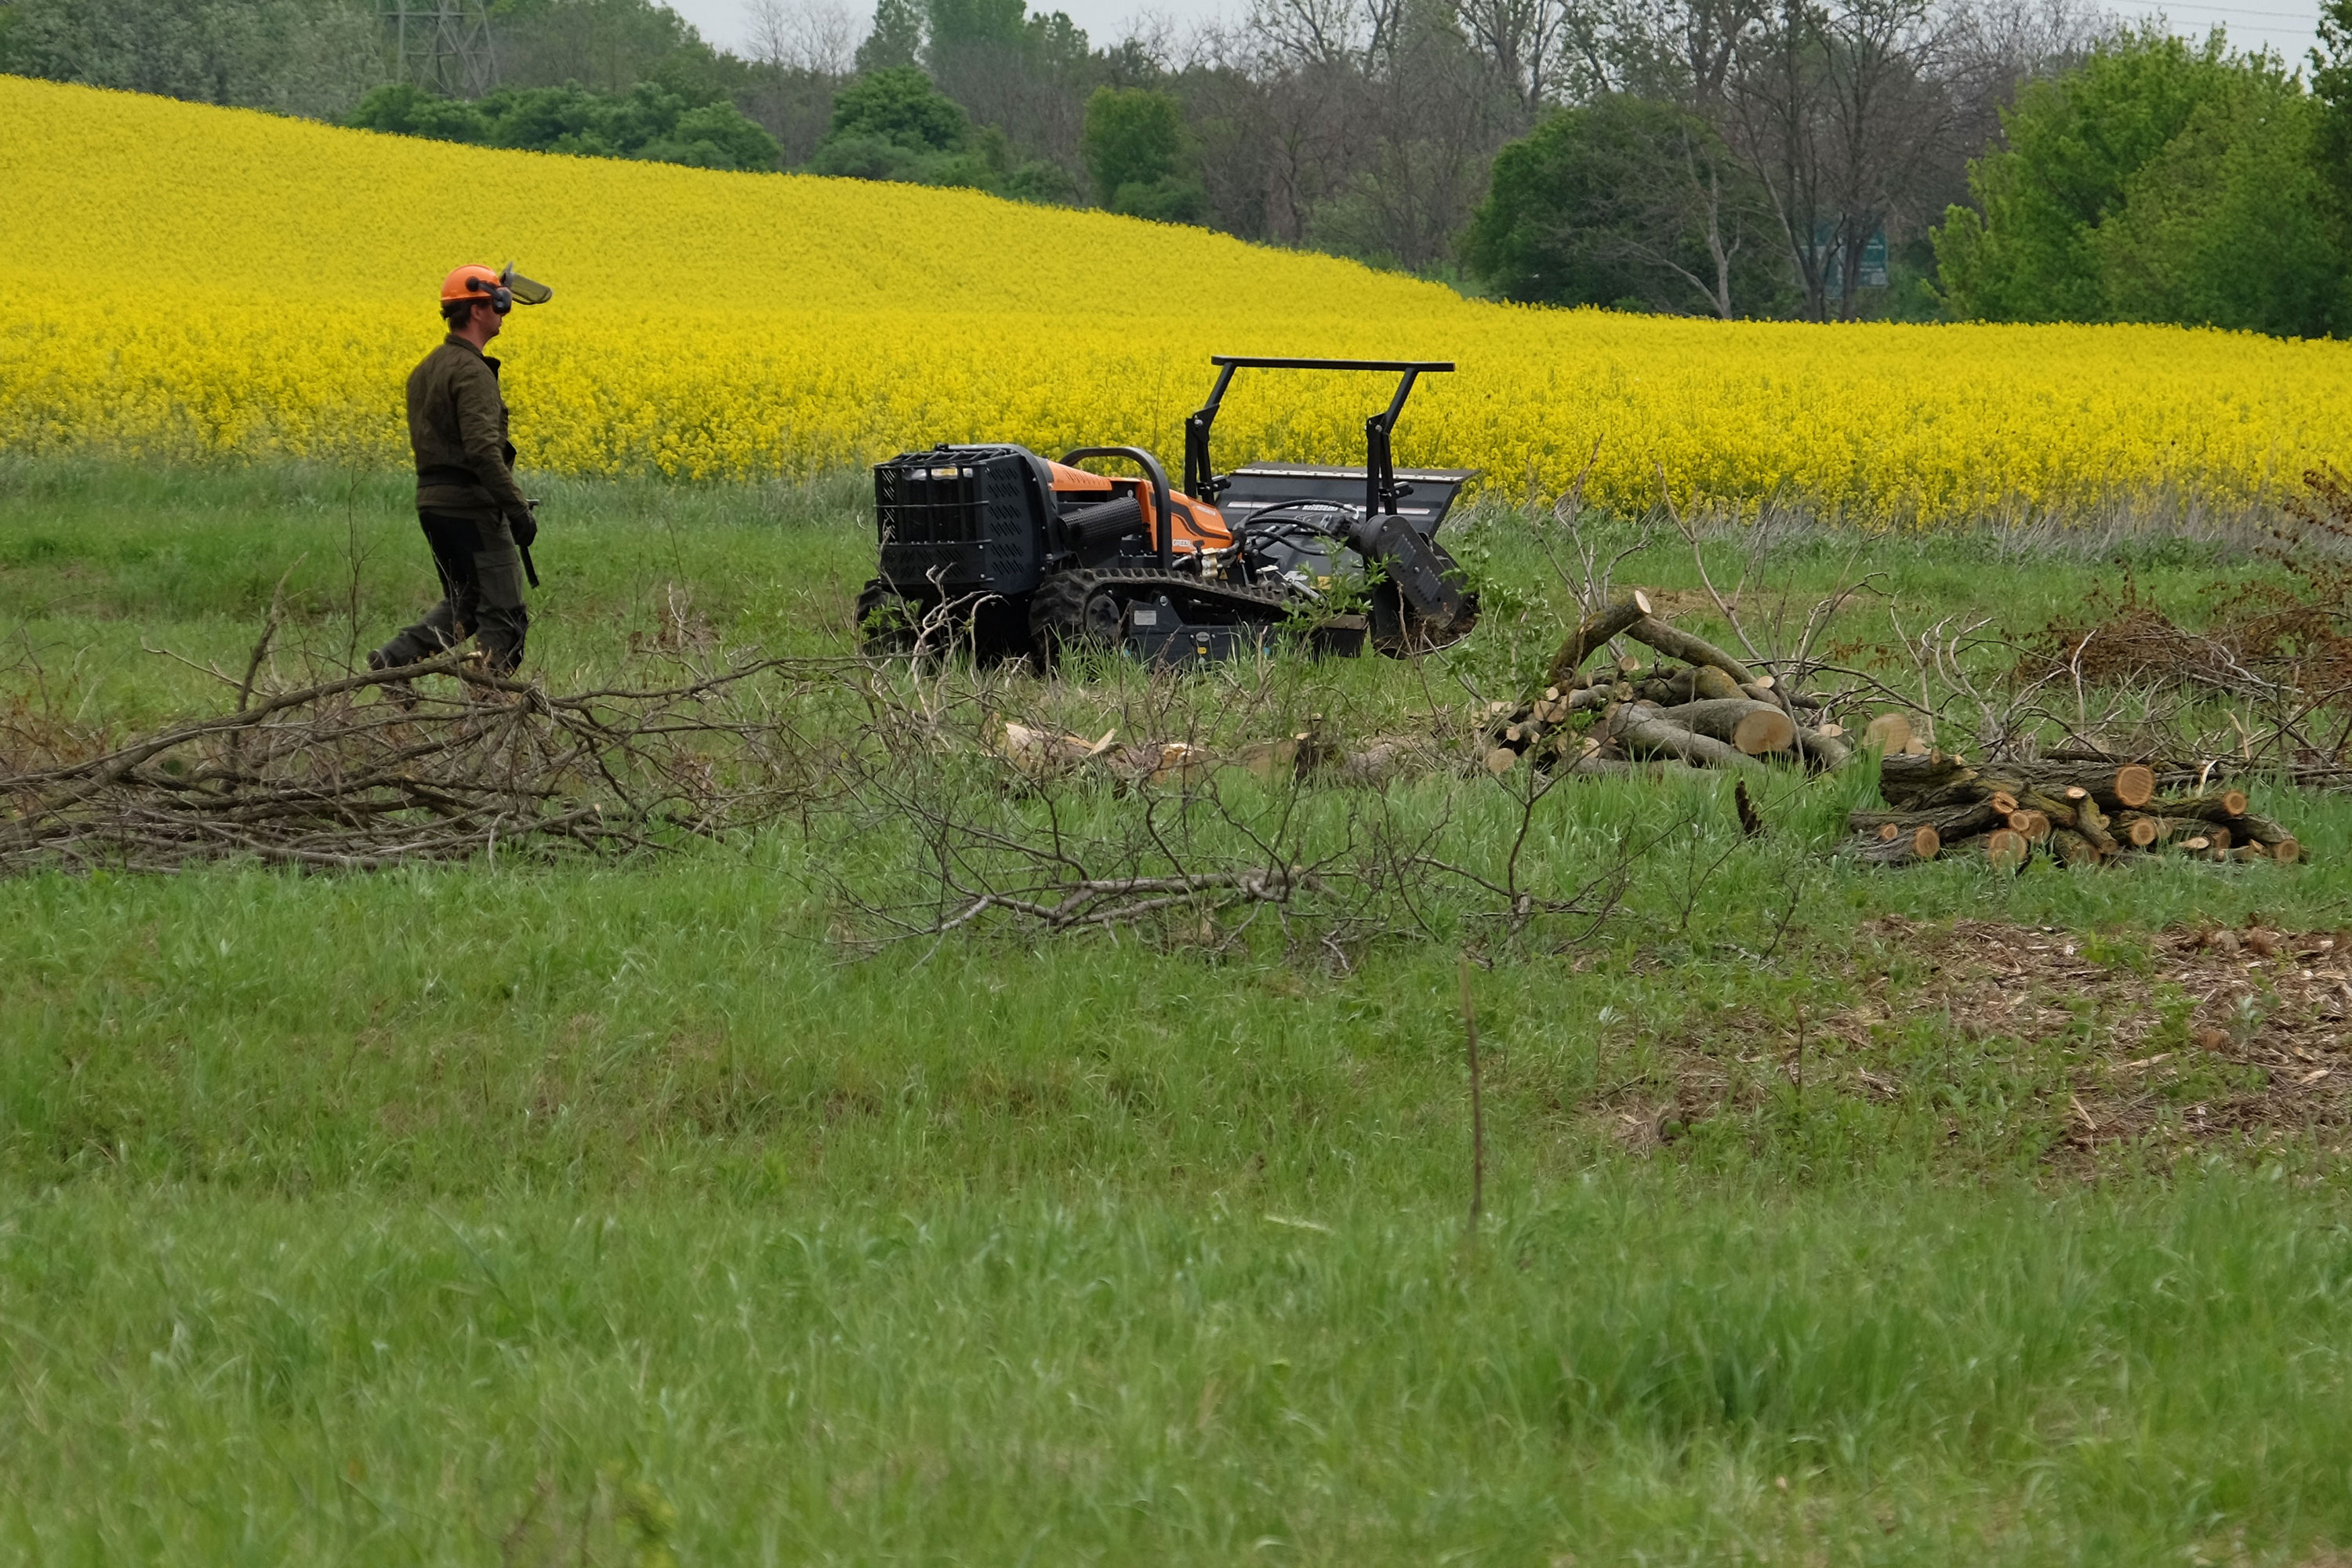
{"x": 1623, "y": 1369}
{"x": 621, "y": 1214}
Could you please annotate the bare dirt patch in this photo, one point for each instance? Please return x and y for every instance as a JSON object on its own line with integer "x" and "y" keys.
{"x": 2268, "y": 1008}
{"x": 2152, "y": 1043}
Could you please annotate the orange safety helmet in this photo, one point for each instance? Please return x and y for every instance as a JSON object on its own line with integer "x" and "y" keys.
{"x": 501, "y": 290}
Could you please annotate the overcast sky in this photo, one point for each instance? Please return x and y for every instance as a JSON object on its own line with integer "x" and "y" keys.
{"x": 723, "y": 22}
{"x": 2289, "y": 26}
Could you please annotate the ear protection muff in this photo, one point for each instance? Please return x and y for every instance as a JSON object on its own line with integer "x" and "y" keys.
{"x": 501, "y": 297}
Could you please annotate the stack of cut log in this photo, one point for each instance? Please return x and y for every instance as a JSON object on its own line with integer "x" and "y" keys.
{"x": 1697, "y": 707}
{"x": 2076, "y": 813}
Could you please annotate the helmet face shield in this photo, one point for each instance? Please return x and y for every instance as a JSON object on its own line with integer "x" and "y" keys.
{"x": 514, "y": 288}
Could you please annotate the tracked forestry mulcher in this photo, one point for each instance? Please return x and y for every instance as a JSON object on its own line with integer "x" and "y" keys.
{"x": 1028, "y": 557}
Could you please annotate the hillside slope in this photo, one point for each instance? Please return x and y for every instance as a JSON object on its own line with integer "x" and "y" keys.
{"x": 186, "y": 281}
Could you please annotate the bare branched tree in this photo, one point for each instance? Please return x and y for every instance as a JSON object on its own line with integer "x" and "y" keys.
{"x": 1521, "y": 43}
{"x": 1890, "y": 114}
{"x": 1772, "y": 118}
{"x": 801, "y": 51}
{"x": 1301, "y": 34}
{"x": 817, "y": 37}
{"x": 1367, "y": 126}
{"x": 1678, "y": 50}
{"x": 1855, "y": 118}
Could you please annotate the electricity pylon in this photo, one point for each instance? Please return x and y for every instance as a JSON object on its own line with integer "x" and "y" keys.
{"x": 444, "y": 45}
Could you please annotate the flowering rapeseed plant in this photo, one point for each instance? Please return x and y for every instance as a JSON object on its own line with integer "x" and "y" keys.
{"x": 189, "y": 282}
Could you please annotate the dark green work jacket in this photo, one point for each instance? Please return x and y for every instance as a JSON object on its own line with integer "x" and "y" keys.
{"x": 457, "y": 425}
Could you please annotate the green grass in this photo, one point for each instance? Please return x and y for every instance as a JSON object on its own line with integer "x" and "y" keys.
{"x": 551, "y": 1214}
{"x": 1624, "y": 1370}
{"x": 99, "y": 562}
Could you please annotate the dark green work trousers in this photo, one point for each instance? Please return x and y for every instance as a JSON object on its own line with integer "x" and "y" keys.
{"x": 481, "y": 593}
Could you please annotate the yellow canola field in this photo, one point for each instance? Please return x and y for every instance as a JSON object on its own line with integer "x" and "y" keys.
{"x": 191, "y": 283}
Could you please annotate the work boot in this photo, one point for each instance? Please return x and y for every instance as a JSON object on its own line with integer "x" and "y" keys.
{"x": 479, "y": 662}
{"x": 399, "y": 693}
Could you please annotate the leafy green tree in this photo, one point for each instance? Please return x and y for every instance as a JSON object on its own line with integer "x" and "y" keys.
{"x": 403, "y": 109}
{"x": 1039, "y": 181}
{"x": 2071, "y": 148}
{"x": 900, "y": 106}
{"x": 2331, "y": 88}
{"x": 895, "y": 125}
{"x": 609, "y": 46}
{"x": 870, "y": 158}
{"x": 896, "y": 40}
{"x": 2230, "y": 224}
{"x": 1627, "y": 202}
{"x": 312, "y": 57}
{"x": 1140, "y": 157}
{"x": 567, "y": 119}
{"x": 962, "y": 23}
{"x": 2156, "y": 182}
{"x": 1056, "y": 46}
{"x": 647, "y": 122}
{"x": 714, "y": 136}
{"x": 890, "y": 133}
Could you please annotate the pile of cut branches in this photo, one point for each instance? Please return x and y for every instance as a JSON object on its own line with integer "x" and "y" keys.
{"x": 2286, "y": 633}
{"x": 1044, "y": 754}
{"x": 436, "y": 762}
{"x": 1698, "y": 707}
{"x": 2078, "y": 811}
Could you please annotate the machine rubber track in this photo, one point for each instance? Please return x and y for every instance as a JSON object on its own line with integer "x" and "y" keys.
{"x": 1056, "y": 614}
{"x": 885, "y": 619}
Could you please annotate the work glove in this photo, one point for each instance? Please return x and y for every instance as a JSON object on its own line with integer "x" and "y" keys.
{"x": 525, "y": 526}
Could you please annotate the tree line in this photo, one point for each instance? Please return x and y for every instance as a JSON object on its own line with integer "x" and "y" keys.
{"x": 2008, "y": 160}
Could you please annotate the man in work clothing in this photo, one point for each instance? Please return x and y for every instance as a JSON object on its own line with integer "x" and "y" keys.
{"x": 474, "y": 515}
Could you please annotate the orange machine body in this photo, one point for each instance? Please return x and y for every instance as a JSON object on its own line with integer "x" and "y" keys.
{"x": 1199, "y": 526}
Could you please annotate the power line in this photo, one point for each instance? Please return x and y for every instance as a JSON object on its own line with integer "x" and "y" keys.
{"x": 2311, "y": 23}
{"x": 2287, "y": 42}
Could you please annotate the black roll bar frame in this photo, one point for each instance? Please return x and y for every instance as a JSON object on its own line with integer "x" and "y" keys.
{"x": 1379, "y": 466}
{"x": 1163, "y": 515}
